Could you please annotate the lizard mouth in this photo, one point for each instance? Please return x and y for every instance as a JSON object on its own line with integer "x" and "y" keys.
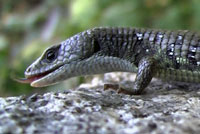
{"x": 33, "y": 78}
{"x": 36, "y": 77}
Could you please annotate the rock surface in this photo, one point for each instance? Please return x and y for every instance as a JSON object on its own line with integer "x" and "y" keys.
{"x": 161, "y": 109}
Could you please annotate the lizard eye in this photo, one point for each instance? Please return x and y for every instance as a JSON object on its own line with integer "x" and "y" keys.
{"x": 51, "y": 55}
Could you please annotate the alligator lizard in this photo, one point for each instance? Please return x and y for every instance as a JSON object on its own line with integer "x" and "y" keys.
{"x": 169, "y": 55}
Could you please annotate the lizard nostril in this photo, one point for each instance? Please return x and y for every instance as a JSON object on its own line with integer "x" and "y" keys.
{"x": 28, "y": 69}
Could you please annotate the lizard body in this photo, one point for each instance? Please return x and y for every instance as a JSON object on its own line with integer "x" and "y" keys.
{"x": 169, "y": 55}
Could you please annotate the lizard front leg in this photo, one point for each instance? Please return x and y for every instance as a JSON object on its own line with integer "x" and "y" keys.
{"x": 145, "y": 73}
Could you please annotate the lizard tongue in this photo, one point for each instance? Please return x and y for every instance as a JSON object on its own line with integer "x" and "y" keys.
{"x": 28, "y": 80}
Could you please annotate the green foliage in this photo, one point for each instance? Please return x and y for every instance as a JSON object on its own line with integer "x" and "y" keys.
{"x": 28, "y": 27}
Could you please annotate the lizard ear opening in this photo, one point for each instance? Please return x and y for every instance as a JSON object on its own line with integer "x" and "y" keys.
{"x": 96, "y": 46}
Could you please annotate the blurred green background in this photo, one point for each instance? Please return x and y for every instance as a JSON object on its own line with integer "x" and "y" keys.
{"x": 27, "y": 27}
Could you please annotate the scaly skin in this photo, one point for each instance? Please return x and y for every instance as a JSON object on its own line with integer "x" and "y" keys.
{"x": 169, "y": 55}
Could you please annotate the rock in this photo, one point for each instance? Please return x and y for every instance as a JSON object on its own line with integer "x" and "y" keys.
{"x": 162, "y": 109}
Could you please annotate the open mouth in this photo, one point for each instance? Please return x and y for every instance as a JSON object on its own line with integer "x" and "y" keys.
{"x": 37, "y": 76}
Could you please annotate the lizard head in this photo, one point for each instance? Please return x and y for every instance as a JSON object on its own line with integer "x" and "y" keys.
{"x": 60, "y": 61}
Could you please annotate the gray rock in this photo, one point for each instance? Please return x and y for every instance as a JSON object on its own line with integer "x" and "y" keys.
{"x": 162, "y": 109}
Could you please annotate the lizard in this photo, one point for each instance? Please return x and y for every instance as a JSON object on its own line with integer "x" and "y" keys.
{"x": 165, "y": 54}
